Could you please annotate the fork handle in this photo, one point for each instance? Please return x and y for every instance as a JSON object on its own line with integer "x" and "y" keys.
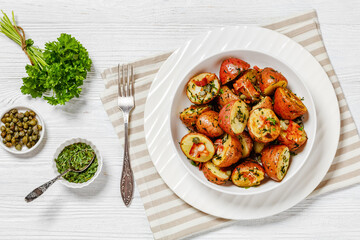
{"x": 127, "y": 176}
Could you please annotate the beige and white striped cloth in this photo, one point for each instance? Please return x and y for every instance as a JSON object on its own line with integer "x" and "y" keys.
{"x": 168, "y": 215}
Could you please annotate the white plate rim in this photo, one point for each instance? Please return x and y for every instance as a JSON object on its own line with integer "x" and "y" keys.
{"x": 235, "y": 208}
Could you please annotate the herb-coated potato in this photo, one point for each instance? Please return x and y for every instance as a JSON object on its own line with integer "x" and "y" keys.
{"x": 263, "y": 125}
{"x": 287, "y": 105}
{"x": 252, "y": 75}
{"x": 208, "y": 124}
{"x": 247, "y": 174}
{"x": 233, "y": 117}
{"x": 245, "y": 86}
{"x": 265, "y": 102}
{"x": 231, "y": 68}
{"x": 247, "y": 144}
{"x": 275, "y": 160}
{"x": 191, "y": 114}
{"x": 215, "y": 174}
{"x": 226, "y": 96}
{"x": 292, "y": 135}
{"x": 270, "y": 80}
{"x": 203, "y": 88}
{"x": 228, "y": 151}
{"x": 197, "y": 147}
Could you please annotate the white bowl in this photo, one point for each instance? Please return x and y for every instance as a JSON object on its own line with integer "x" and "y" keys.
{"x": 67, "y": 143}
{"x": 212, "y": 64}
{"x": 41, "y": 122}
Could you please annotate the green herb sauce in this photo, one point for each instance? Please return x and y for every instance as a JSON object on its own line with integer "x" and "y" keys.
{"x": 80, "y": 155}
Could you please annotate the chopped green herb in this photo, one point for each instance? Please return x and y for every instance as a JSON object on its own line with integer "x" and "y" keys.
{"x": 80, "y": 154}
{"x": 272, "y": 121}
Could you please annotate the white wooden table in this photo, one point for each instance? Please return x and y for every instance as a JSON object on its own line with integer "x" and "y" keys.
{"x": 121, "y": 31}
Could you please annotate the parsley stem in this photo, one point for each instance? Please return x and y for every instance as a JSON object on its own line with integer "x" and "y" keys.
{"x": 10, "y": 29}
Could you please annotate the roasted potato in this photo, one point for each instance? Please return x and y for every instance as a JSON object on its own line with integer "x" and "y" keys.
{"x": 270, "y": 80}
{"x": 265, "y": 102}
{"x": 208, "y": 124}
{"x": 287, "y": 105}
{"x": 215, "y": 174}
{"x": 292, "y": 135}
{"x": 247, "y": 174}
{"x": 197, "y": 147}
{"x": 231, "y": 68}
{"x": 226, "y": 96}
{"x": 245, "y": 86}
{"x": 263, "y": 125}
{"x": 191, "y": 114}
{"x": 233, "y": 117}
{"x": 203, "y": 88}
{"x": 275, "y": 160}
{"x": 247, "y": 144}
{"x": 228, "y": 151}
{"x": 258, "y": 146}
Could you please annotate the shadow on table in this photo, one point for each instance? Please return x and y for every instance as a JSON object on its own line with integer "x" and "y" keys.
{"x": 94, "y": 188}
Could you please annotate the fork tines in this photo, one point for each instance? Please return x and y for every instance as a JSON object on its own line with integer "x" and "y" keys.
{"x": 126, "y": 81}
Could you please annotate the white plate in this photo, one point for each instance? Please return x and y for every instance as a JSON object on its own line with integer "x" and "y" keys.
{"x": 159, "y": 136}
{"x": 67, "y": 143}
{"x": 41, "y": 122}
{"x": 212, "y": 64}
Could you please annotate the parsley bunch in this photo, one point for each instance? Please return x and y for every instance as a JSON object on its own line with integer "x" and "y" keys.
{"x": 59, "y": 69}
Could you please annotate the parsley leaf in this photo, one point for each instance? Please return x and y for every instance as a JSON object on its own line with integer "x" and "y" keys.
{"x": 56, "y": 73}
{"x": 67, "y": 64}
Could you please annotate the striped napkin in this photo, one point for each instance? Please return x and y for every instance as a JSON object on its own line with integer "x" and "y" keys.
{"x": 168, "y": 215}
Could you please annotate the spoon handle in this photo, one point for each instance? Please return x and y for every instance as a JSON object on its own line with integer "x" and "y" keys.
{"x": 40, "y": 190}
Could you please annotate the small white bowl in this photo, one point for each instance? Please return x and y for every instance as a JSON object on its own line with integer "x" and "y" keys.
{"x": 41, "y": 122}
{"x": 67, "y": 143}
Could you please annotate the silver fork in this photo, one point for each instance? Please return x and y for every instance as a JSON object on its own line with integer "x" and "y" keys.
{"x": 126, "y": 104}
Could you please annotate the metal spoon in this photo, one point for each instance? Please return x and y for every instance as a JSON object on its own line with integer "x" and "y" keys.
{"x": 40, "y": 190}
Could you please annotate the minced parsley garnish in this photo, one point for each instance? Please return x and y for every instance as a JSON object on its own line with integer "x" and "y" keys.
{"x": 78, "y": 155}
